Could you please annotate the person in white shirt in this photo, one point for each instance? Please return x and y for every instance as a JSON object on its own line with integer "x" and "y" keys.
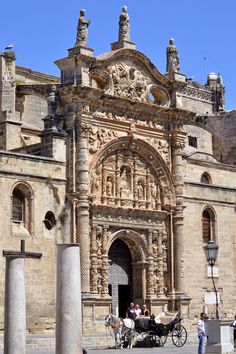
{"x": 201, "y": 333}
{"x": 137, "y": 310}
{"x": 233, "y": 324}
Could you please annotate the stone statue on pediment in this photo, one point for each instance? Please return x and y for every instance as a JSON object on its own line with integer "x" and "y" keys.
{"x": 124, "y": 25}
{"x": 172, "y": 57}
{"x": 82, "y": 30}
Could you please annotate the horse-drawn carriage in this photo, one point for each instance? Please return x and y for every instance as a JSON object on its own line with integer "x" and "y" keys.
{"x": 146, "y": 330}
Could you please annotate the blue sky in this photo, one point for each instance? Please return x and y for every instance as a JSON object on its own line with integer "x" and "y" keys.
{"x": 42, "y": 31}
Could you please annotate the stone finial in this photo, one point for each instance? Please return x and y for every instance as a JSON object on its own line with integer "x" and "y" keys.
{"x": 172, "y": 57}
{"x": 82, "y": 30}
{"x": 124, "y": 25}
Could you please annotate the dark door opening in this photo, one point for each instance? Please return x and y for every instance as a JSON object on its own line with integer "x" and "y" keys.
{"x": 124, "y": 296}
{"x": 120, "y": 277}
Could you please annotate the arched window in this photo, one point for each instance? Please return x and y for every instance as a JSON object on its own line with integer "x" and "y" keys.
{"x": 21, "y": 206}
{"x": 206, "y": 178}
{"x": 208, "y": 225}
{"x": 18, "y": 207}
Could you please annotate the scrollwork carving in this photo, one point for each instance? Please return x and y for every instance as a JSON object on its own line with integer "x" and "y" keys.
{"x": 99, "y": 137}
{"x": 128, "y": 82}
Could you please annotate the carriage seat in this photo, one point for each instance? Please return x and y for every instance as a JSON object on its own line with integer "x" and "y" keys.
{"x": 142, "y": 323}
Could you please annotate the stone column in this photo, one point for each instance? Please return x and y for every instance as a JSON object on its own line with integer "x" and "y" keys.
{"x": 68, "y": 300}
{"x": 15, "y": 312}
{"x": 160, "y": 264}
{"x": 105, "y": 265}
{"x": 82, "y": 185}
{"x": 177, "y": 146}
{"x": 93, "y": 270}
{"x": 150, "y": 268}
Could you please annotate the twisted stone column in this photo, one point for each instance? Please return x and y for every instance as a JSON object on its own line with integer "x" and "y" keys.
{"x": 177, "y": 146}
{"x": 82, "y": 185}
{"x": 93, "y": 270}
{"x": 150, "y": 267}
{"x": 105, "y": 262}
{"x": 160, "y": 264}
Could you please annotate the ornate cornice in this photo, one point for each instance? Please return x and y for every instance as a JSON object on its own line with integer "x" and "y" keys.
{"x": 97, "y": 99}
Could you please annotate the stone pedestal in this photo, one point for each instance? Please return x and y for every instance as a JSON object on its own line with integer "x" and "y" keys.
{"x": 219, "y": 337}
{"x": 80, "y": 50}
{"x": 15, "y": 315}
{"x": 123, "y": 44}
{"x": 68, "y": 300}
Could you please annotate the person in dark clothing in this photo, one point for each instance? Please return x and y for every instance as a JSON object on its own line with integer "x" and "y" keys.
{"x": 130, "y": 312}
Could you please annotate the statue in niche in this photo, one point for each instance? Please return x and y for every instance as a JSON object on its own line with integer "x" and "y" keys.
{"x": 172, "y": 57}
{"x": 140, "y": 191}
{"x": 82, "y": 30}
{"x": 125, "y": 189}
{"x": 155, "y": 193}
{"x": 96, "y": 181}
{"x": 109, "y": 187}
{"x": 124, "y": 25}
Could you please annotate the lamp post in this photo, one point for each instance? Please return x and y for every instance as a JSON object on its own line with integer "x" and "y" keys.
{"x": 211, "y": 251}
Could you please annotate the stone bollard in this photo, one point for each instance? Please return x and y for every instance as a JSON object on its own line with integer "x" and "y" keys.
{"x": 15, "y": 311}
{"x": 15, "y": 314}
{"x": 68, "y": 300}
{"x": 219, "y": 337}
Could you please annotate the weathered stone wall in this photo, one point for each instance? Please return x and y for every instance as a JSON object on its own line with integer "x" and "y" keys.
{"x": 32, "y": 110}
{"x": 46, "y": 181}
{"x": 220, "y": 197}
{"x": 204, "y": 138}
{"x": 224, "y": 125}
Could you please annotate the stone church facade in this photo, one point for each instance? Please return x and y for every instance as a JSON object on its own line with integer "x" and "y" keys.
{"x": 136, "y": 166}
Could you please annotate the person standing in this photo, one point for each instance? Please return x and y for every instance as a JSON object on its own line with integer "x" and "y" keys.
{"x": 233, "y": 324}
{"x": 200, "y": 333}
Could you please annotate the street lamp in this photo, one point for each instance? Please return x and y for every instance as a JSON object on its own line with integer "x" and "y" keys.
{"x": 211, "y": 251}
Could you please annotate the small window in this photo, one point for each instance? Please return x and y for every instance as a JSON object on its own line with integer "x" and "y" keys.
{"x": 18, "y": 206}
{"x": 192, "y": 141}
{"x": 206, "y": 178}
{"x": 208, "y": 225}
{"x": 22, "y": 206}
{"x": 49, "y": 220}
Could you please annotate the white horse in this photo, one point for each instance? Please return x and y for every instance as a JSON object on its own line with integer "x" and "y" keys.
{"x": 123, "y": 330}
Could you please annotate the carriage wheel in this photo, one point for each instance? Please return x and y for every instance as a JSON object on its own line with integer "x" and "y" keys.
{"x": 179, "y": 336}
{"x": 152, "y": 339}
{"x": 161, "y": 340}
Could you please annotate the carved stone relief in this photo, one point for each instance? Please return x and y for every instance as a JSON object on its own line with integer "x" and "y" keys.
{"x": 123, "y": 178}
{"x": 8, "y": 80}
{"x": 99, "y": 137}
{"x": 127, "y": 81}
{"x": 161, "y": 146}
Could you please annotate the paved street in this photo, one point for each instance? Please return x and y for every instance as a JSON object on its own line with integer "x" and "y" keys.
{"x": 187, "y": 349}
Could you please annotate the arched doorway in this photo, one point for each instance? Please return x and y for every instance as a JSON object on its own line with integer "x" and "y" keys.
{"x": 120, "y": 277}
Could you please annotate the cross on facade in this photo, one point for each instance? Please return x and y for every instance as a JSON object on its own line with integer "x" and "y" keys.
{"x": 22, "y": 253}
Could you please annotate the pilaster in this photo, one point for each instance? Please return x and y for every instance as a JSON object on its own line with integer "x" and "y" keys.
{"x": 177, "y": 167}
{"x": 83, "y": 227}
